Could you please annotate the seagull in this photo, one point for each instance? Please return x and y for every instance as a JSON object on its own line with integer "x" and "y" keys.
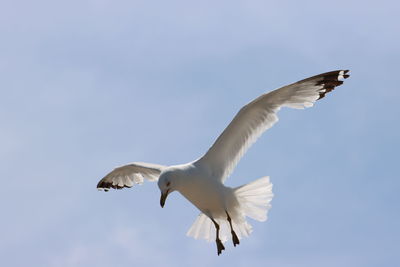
{"x": 202, "y": 181}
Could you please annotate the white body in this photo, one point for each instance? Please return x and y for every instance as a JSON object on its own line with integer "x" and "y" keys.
{"x": 194, "y": 180}
{"x": 214, "y": 200}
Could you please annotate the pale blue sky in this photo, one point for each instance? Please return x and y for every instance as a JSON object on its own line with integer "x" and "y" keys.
{"x": 89, "y": 85}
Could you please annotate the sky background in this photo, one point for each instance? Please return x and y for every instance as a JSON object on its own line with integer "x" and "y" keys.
{"x": 89, "y": 85}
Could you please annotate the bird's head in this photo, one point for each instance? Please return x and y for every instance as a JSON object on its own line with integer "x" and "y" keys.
{"x": 167, "y": 184}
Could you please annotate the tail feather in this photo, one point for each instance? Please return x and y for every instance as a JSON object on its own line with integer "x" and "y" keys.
{"x": 255, "y": 198}
{"x": 254, "y": 201}
{"x": 201, "y": 228}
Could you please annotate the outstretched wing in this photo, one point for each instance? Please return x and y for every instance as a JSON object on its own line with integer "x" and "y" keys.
{"x": 261, "y": 114}
{"x": 128, "y": 175}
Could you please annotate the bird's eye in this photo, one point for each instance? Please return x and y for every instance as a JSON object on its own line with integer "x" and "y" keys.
{"x": 168, "y": 183}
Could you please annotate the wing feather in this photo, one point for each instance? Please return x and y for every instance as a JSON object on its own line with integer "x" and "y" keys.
{"x": 261, "y": 114}
{"x": 129, "y": 175}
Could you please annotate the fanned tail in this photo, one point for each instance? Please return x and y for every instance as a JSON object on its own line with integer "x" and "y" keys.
{"x": 254, "y": 201}
{"x": 255, "y": 198}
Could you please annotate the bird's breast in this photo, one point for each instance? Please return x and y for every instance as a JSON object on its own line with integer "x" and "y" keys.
{"x": 207, "y": 195}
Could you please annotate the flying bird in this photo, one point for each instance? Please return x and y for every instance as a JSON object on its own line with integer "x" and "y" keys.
{"x": 201, "y": 181}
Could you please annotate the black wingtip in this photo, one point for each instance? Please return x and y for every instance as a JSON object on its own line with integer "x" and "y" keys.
{"x": 105, "y": 186}
{"x": 345, "y": 75}
{"x": 331, "y": 80}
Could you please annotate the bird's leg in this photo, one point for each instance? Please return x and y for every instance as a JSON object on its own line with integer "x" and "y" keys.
{"x": 235, "y": 239}
{"x": 220, "y": 246}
